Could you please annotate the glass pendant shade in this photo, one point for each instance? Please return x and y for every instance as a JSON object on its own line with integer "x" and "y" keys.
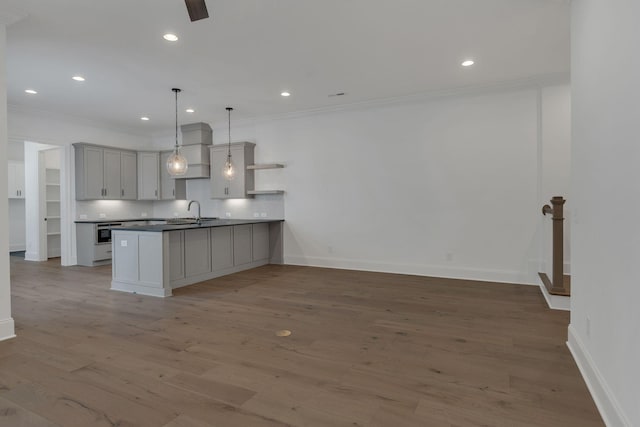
{"x": 177, "y": 164}
{"x": 229, "y": 171}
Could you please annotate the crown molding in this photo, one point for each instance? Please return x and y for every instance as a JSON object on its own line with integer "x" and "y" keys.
{"x": 534, "y": 82}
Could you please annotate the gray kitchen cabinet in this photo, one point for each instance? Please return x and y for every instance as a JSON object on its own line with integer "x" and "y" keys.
{"x": 260, "y": 243}
{"x": 105, "y": 173}
{"x": 112, "y": 174}
{"x": 242, "y": 244}
{"x": 128, "y": 175}
{"x": 197, "y": 257}
{"x": 16, "y": 180}
{"x": 148, "y": 176}
{"x": 176, "y": 261}
{"x": 242, "y": 154}
{"x": 170, "y": 188}
{"x": 89, "y": 173}
{"x": 221, "y": 248}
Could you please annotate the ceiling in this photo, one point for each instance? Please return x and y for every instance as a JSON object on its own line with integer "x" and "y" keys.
{"x": 249, "y": 51}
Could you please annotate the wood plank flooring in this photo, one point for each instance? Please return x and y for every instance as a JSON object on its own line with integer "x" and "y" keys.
{"x": 367, "y": 349}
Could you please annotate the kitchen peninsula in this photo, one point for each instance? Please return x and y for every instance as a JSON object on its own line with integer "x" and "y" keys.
{"x": 155, "y": 259}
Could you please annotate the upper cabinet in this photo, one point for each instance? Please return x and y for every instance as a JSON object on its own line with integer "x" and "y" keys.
{"x": 148, "y": 176}
{"x": 16, "y": 180}
{"x": 241, "y": 156}
{"x": 170, "y": 187}
{"x": 105, "y": 173}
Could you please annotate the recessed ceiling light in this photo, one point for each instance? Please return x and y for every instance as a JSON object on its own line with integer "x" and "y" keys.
{"x": 170, "y": 37}
{"x": 145, "y": 119}
{"x": 190, "y": 110}
{"x": 31, "y": 91}
{"x": 468, "y": 63}
{"x": 78, "y": 78}
{"x": 285, "y": 94}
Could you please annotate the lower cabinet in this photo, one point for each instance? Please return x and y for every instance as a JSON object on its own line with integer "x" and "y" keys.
{"x": 176, "y": 258}
{"x": 260, "y": 242}
{"x": 221, "y": 248}
{"x": 242, "y": 244}
{"x": 197, "y": 257}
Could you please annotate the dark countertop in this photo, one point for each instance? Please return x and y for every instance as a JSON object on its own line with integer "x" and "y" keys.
{"x": 203, "y": 224}
{"x": 109, "y": 220}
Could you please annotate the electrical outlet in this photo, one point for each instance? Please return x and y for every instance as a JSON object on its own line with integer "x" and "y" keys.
{"x": 102, "y": 215}
{"x": 143, "y": 214}
{"x": 175, "y": 214}
{"x": 263, "y": 214}
{"x": 227, "y": 214}
{"x": 256, "y": 215}
{"x": 83, "y": 216}
{"x": 123, "y": 243}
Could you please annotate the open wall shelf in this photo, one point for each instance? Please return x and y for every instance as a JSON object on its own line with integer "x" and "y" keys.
{"x": 265, "y": 166}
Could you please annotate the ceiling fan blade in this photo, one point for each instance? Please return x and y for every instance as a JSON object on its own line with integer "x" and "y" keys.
{"x": 197, "y": 9}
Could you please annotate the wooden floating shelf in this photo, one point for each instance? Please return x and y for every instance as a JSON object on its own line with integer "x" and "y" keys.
{"x": 254, "y": 192}
{"x": 265, "y": 166}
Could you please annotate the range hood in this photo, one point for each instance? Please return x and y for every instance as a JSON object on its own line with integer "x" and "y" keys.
{"x": 196, "y": 140}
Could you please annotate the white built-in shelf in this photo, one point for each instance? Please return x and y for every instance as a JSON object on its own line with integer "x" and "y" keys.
{"x": 53, "y": 217}
{"x": 254, "y": 192}
{"x": 265, "y": 166}
{"x": 56, "y": 201}
{"x": 54, "y": 234}
{"x": 53, "y": 184}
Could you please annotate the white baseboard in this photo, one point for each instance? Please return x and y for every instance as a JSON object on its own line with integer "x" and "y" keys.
{"x": 32, "y": 256}
{"x": 555, "y": 302}
{"x": 7, "y": 329}
{"x": 604, "y": 399}
{"x": 502, "y": 276}
{"x": 16, "y": 247}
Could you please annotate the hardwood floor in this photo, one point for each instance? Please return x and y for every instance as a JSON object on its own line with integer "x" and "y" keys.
{"x": 366, "y": 349}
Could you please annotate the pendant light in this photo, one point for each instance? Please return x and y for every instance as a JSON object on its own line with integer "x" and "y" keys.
{"x": 229, "y": 171}
{"x": 176, "y": 163}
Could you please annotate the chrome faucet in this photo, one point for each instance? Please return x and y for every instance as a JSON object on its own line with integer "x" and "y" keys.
{"x": 189, "y": 208}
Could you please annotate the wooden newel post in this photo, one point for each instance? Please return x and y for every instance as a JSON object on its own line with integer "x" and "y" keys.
{"x": 557, "y": 209}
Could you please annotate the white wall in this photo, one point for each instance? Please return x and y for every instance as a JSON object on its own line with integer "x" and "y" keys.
{"x": 604, "y": 334}
{"x": 447, "y": 187}
{"x": 6, "y": 321}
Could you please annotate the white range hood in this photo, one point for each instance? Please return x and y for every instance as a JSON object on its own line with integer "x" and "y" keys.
{"x": 196, "y": 140}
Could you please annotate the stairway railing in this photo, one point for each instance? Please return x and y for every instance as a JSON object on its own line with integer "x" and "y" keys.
{"x": 559, "y": 283}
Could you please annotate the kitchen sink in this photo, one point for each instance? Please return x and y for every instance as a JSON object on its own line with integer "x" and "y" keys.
{"x": 179, "y": 221}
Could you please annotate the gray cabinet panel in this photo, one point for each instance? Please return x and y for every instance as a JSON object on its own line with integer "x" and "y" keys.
{"x": 260, "y": 241}
{"x": 176, "y": 254}
{"x": 197, "y": 258}
{"x": 128, "y": 176}
{"x": 148, "y": 176}
{"x": 93, "y": 174}
{"x": 112, "y": 168}
{"x": 242, "y": 244}
{"x": 221, "y": 248}
{"x": 125, "y": 260}
{"x": 149, "y": 252}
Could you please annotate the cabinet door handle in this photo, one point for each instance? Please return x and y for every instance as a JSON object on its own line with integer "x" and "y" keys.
{"x": 156, "y": 193}
{"x": 122, "y": 191}
{"x": 173, "y": 192}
